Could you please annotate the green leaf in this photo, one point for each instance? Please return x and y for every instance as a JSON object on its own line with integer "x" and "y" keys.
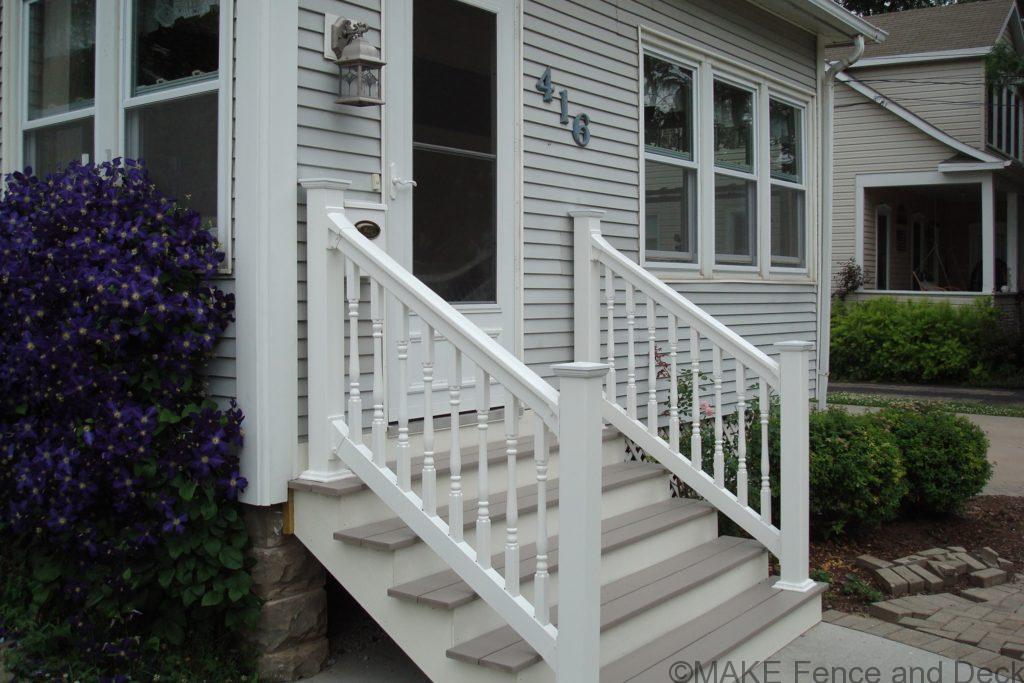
{"x": 127, "y": 574}
{"x": 212, "y": 598}
{"x": 230, "y": 557}
{"x": 187, "y": 490}
{"x": 165, "y": 576}
{"x": 209, "y": 509}
{"x": 212, "y": 546}
{"x": 47, "y": 572}
{"x": 168, "y": 416}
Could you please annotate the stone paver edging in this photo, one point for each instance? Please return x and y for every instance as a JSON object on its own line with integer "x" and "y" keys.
{"x": 983, "y": 626}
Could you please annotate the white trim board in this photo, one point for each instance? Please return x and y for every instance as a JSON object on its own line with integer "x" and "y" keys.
{"x": 915, "y": 120}
{"x": 914, "y": 57}
{"x": 866, "y": 180}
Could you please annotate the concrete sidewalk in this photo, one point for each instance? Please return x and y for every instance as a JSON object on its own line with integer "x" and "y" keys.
{"x": 826, "y": 652}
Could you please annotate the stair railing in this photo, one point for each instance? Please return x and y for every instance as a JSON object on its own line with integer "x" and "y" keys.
{"x": 612, "y": 286}
{"x": 342, "y": 264}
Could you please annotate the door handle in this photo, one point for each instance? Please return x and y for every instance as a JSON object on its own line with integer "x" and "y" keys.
{"x": 397, "y": 183}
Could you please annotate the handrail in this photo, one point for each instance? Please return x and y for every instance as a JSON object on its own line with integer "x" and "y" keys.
{"x": 496, "y": 360}
{"x": 686, "y": 310}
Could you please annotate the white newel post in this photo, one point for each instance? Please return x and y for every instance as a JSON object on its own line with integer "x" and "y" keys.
{"x": 579, "y": 609}
{"x": 325, "y": 303}
{"x": 794, "y": 471}
{"x": 586, "y": 286}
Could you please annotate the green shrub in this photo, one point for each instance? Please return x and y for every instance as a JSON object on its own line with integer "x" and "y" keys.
{"x": 945, "y": 457}
{"x": 884, "y": 340}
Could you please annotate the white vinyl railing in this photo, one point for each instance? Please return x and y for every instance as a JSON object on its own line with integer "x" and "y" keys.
{"x": 604, "y": 276}
{"x": 345, "y": 270}
{"x": 342, "y": 265}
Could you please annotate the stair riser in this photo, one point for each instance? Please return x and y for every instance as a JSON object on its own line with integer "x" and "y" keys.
{"x": 669, "y": 614}
{"x": 424, "y": 634}
{"x": 418, "y": 560}
{"x": 773, "y": 638}
{"x": 476, "y": 618}
{"x": 365, "y": 507}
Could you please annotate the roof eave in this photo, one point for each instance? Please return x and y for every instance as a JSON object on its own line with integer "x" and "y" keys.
{"x": 825, "y": 17}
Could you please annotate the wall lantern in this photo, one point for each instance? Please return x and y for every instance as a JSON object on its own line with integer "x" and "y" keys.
{"x": 359, "y": 65}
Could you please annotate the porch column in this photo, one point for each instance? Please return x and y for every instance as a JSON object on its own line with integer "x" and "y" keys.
{"x": 988, "y": 236}
{"x": 1012, "y": 237}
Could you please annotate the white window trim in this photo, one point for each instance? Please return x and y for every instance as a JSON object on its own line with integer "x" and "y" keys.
{"x": 766, "y": 86}
{"x": 803, "y": 185}
{"x": 113, "y": 70}
{"x": 883, "y": 210}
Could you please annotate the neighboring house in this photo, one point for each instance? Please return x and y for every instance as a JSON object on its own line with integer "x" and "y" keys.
{"x": 928, "y": 172}
{"x": 546, "y": 181}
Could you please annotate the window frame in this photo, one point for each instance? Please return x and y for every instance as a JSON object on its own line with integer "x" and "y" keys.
{"x": 730, "y": 262}
{"x": 112, "y": 97}
{"x": 662, "y": 256}
{"x": 709, "y": 66}
{"x": 802, "y": 186}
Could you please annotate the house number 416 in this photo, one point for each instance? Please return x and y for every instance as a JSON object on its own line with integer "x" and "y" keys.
{"x": 580, "y": 122}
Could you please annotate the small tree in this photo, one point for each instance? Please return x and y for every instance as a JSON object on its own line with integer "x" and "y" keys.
{"x": 849, "y": 278}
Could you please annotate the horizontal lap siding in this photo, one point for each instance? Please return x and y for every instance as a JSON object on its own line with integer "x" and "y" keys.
{"x": 334, "y": 141}
{"x": 948, "y": 95}
{"x": 870, "y": 139}
{"x": 592, "y": 51}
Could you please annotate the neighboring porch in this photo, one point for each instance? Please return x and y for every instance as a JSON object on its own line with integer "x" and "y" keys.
{"x": 947, "y": 236}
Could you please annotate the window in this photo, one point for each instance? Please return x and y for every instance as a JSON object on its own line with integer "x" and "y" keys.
{"x": 171, "y": 104}
{"x": 788, "y": 231}
{"x": 160, "y": 98}
{"x": 724, "y": 166}
{"x": 670, "y": 175}
{"x": 735, "y": 176}
{"x": 60, "y": 38}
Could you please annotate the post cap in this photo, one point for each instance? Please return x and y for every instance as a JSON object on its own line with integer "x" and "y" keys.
{"x": 794, "y": 345}
{"x": 586, "y": 213}
{"x": 324, "y": 183}
{"x": 580, "y": 370}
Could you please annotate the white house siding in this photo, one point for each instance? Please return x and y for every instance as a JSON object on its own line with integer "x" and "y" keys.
{"x": 869, "y": 139}
{"x": 592, "y": 50}
{"x": 948, "y": 94}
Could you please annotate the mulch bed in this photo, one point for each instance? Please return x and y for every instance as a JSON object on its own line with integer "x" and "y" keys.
{"x": 993, "y": 521}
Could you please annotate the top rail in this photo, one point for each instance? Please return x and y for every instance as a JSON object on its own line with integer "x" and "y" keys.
{"x": 501, "y": 364}
{"x": 686, "y": 310}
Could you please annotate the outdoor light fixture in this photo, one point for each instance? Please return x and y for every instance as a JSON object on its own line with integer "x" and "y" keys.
{"x": 359, "y": 65}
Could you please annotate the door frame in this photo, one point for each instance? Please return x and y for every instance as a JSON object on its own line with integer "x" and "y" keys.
{"x": 395, "y": 133}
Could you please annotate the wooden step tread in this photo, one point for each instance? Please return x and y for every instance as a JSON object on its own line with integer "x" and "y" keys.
{"x": 710, "y": 636}
{"x": 504, "y": 650}
{"x": 447, "y": 591}
{"x": 392, "y": 534}
{"x": 496, "y": 455}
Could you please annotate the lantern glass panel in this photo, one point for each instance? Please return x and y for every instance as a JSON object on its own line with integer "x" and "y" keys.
{"x": 371, "y": 82}
{"x": 349, "y": 81}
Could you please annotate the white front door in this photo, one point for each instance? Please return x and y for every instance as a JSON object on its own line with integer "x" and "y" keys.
{"x": 449, "y": 175}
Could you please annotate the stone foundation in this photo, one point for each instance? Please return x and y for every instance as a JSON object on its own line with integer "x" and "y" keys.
{"x": 291, "y": 636}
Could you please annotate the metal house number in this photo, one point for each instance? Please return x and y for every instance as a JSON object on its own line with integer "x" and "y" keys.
{"x": 580, "y": 122}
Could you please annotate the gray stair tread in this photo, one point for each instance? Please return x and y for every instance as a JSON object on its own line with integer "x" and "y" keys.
{"x": 496, "y": 455}
{"x": 622, "y": 599}
{"x": 446, "y": 590}
{"x": 392, "y": 534}
{"x": 710, "y": 636}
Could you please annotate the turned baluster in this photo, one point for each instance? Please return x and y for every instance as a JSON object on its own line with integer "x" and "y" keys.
{"x": 429, "y": 468}
{"x": 455, "y": 480}
{"x": 355, "y": 401}
{"x": 716, "y": 363}
{"x": 540, "y": 580}
{"x": 652, "y": 368}
{"x": 404, "y": 458}
{"x": 483, "y": 516}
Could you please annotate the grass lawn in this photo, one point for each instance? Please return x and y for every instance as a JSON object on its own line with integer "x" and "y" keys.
{"x": 952, "y": 406}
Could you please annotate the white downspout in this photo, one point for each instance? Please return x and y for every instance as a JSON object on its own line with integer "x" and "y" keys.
{"x": 825, "y": 260}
